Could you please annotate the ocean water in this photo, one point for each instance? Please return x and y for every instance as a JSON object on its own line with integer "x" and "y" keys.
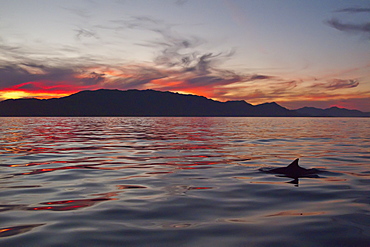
{"x": 145, "y": 181}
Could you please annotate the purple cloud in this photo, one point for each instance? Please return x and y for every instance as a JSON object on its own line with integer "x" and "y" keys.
{"x": 338, "y": 84}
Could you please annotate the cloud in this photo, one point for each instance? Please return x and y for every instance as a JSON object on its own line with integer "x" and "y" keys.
{"x": 92, "y": 78}
{"x": 180, "y": 52}
{"x": 28, "y": 87}
{"x": 181, "y": 2}
{"x": 347, "y": 27}
{"x": 8, "y": 48}
{"x": 177, "y": 58}
{"x": 340, "y": 84}
{"x": 80, "y": 12}
{"x": 175, "y": 50}
{"x": 360, "y": 28}
{"x": 10, "y": 52}
{"x": 283, "y": 87}
{"x": 12, "y": 75}
{"x": 260, "y": 77}
{"x": 84, "y": 33}
{"x": 137, "y": 22}
{"x": 354, "y": 10}
{"x": 210, "y": 80}
{"x": 27, "y": 75}
{"x": 132, "y": 76}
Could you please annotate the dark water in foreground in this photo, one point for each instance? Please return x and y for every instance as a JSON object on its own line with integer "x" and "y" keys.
{"x": 183, "y": 182}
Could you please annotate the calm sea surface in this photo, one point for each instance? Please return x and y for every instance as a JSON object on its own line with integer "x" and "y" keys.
{"x": 124, "y": 181}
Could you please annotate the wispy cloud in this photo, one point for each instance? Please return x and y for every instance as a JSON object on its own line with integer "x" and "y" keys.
{"x": 359, "y": 28}
{"x": 181, "y": 2}
{"x": 178, "y": 58}
{"x": 349, "y": 27}
{"x": 354, "y": 10}
{"x": 340, "y": 84}
{"x": 260, "y": 77}
{"x": 84, "y": 33}
{"x": 335, "y": 84}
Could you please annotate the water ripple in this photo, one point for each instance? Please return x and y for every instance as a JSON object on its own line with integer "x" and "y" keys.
{"x": 182, "y": 181}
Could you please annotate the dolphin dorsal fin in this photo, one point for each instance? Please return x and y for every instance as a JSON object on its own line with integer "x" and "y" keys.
{"x": 294, "y": 164}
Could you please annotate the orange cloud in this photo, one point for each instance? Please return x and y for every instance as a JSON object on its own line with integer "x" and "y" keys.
{"x": 40, "y": 90}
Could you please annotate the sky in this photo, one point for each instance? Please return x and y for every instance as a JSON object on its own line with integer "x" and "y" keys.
{"x": 294, "y": 52}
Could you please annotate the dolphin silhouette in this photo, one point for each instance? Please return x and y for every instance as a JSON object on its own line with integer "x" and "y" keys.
{"x": 293, "y": 171}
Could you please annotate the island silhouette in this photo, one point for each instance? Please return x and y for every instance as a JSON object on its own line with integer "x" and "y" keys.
{"x": 113, "y": 102}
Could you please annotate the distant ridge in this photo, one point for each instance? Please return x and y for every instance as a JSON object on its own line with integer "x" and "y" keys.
{"x": 105, "y": 102}
{"x": 331, "y": 112}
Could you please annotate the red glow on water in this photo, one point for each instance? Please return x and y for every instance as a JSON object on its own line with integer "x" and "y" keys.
{"x": 200, "y": 188}
{"x": 70, "y": 204}
{"x": 194, "y": 168}
{"x": 40, "y": 208}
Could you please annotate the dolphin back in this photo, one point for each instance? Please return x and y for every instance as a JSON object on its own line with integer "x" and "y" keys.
{"x": 294, "y": 164}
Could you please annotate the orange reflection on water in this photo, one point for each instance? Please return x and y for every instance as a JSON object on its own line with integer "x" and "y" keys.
{"x": 195, "y": 147}
{"x": 335, "y": 179}
{"x": 70, "y": 204}
{"x": 20, "y": 149}
{"x": 243, "y": 177}
{"x": 37, "y": 163}
{"x": 296, "y": 213}
{"x": 260, "y": 182}
{"x": 15, "y": 230}
{"x": 356, "y": 174}
{"x": 134, "y": 176}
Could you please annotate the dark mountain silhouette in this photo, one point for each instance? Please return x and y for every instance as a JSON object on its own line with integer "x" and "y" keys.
{"x": 105, "y": 102}
{"x": 331, "y": 112}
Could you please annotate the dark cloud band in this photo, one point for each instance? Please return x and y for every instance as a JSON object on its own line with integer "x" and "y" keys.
{"x": 354, "y": 10}
{"x": 347, "y": 27}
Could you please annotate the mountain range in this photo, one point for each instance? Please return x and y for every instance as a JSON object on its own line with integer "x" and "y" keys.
{"x": 105, "y": 102}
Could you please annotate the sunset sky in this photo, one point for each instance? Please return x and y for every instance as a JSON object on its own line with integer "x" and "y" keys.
{"x": 294, "y": 52}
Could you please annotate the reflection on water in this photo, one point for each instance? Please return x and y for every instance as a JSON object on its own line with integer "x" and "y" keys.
{"x": 183, "y": 181}
{"x": 10, "y": 231}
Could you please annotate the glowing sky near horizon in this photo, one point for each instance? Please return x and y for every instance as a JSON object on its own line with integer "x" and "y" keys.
{"x": 294, "y": 52}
